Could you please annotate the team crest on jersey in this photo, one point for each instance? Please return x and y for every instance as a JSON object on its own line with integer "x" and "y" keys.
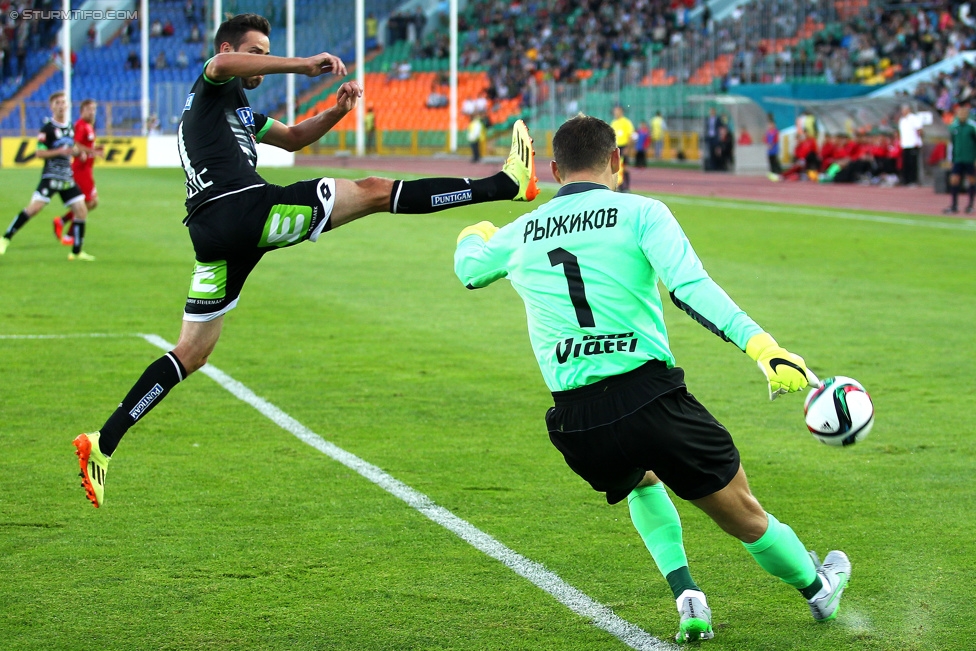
{"x": 189, "y": 102}
{"x": 246, "y": 116}
{"x": 57, "y": 132}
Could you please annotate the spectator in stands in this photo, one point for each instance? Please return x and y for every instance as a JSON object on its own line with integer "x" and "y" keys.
{"x": 195, "y": 35}
{"x": 436, "y": 99}
{"x": 160, "y": 62}
{"x": 372, "y": 32}
{"x": 133, "y": 62}
{"x": 403, "y": 70}
{"x": 190, "y": 12}
{"x": 152, "y": 125}
{"x": 156, "y": 28}
{"x": 168, "y": 29}
{"x": 92, "y": 35}
{"x": 182, "y": 60}
{"x": 910, "y": 139}
{"x": 5, "y": 56}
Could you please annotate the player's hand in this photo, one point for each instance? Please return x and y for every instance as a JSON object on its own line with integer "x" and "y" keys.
{"x": 484, "y": 230}
{"x": 323, "y": 63}
{"x": 784, "y": 371}
{"x": 348, "y": 96}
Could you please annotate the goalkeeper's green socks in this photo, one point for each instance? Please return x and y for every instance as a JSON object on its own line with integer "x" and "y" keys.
{"x": 658, "y": 524}
{"x": 781, "y": 553}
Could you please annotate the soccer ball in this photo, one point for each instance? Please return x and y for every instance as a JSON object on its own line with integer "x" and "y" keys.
{"x": 840, "y": 412}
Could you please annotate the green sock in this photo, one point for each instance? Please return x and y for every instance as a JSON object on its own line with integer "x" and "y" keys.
{"x": 658, "y": 524}
{"x": 781, "y": 553}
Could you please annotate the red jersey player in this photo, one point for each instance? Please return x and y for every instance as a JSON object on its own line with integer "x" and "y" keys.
{"x": 82, "y": 166}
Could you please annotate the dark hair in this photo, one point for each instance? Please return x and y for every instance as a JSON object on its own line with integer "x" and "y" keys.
{"x": 86, "y": 102}
{"x": 56, "y": 94}
{"x": 233, "y": 30}
{"x": 583, "y": 143}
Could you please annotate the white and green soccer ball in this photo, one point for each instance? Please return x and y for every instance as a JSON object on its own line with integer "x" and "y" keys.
{"x": 839, "y": 412}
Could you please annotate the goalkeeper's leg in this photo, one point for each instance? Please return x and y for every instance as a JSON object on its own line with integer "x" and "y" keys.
{"x": 774, "y": 545}
{"x": 658, "y": 524}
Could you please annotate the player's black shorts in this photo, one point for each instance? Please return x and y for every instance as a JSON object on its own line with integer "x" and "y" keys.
{"x": 963, "y": 169}
{"x": 615, "y": 430}
{"x": 68, "y": 190}
{"x": 230, "y": 235}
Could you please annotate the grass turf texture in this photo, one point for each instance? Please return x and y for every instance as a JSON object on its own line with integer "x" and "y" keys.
{"x": 222, "y": 531}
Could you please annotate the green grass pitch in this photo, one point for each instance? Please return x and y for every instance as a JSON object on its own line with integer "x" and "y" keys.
{"x": 223, "y": 531}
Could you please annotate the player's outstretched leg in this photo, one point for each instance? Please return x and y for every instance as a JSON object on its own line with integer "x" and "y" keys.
{"x": 834, "y": 573}
{"x": 520, "y": 164}
{"x": 94, "y": 465}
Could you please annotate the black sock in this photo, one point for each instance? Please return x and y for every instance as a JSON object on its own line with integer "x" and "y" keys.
{"x": 972, "y": 194}
{"x": 17, "y": 224}
{"x": 811, "y": 590}
{"x": 954, "y": 189}
{"x": 680, "y": 580}
{"x": 158, "y": 378}
{"x": 78, "y": 231}
{"x": 425, "y": 196}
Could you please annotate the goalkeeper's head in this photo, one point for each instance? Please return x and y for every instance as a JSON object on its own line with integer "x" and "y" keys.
{"x": 585, "y": 149}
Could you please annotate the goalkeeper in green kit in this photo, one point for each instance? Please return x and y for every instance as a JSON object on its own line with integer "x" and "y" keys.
{"x": 586, "y": 264}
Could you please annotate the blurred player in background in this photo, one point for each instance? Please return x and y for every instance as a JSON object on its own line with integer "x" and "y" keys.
{"x": 587, "y": 264}
{"x": 234, "y": 217}
{"x": 55, "y": 145}
{"x": 624, "y": 130}
{"x": 82, "y": 166}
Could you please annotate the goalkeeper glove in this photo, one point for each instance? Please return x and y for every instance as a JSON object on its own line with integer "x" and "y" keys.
{"x": 484, "y": 230}
{"x": 784, "y": 371}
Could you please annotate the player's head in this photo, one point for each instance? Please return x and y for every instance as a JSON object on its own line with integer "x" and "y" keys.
{"x": 962, "y": 110}
{"x": 59, "y": 105}
{"x": 87, "y": 110}
{"x": 244, "y": 33}
{"x": 618, "y": 112}
{"x": 584, "y": 145}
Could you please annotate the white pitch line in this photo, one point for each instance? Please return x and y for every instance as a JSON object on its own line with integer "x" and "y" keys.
{"x": 961, "y": 225}
{"x": 581, "y": 604}
{"x": 79, "y": 335}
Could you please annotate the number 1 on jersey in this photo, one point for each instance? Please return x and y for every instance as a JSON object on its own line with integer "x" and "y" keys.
{"x": 577, "y": 291}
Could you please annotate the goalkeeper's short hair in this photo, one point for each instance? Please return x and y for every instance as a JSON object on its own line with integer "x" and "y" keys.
{"x": 583, "y": 143}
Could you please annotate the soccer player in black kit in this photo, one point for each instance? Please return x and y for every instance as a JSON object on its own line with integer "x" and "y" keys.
{"x": 235, "y": 217}
{"x": 56, "y": 144}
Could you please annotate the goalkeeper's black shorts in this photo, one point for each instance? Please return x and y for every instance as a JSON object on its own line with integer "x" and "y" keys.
{"x": 615, "y": 430}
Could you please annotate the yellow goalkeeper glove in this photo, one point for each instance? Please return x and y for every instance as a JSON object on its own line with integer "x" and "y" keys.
{"x": 484, "y": 230}
{"x": 784, "y": 371}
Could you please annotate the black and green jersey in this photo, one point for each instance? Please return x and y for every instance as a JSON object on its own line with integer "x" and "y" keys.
{"x": 54, "y": 135}
{"x": 587, "y": 264}
{"x": 217, "y": 137}
{"x": 962, "y": 134}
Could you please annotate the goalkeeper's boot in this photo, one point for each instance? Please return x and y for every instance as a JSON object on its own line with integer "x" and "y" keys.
{"x": 696, "y": 618}
{"x": 4, "y": 243}
{"x": 94, "y": 465}
{"x": 835, "y": 572}
{"x": 520, "y": 165}
{"x": 81, "y": 255}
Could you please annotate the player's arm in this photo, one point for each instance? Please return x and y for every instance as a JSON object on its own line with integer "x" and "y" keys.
{"x": 227, "y": 65}
{"x": 479, "y": 260}
{"x": 692, "y": 289}
{"x": 308, "y": 131}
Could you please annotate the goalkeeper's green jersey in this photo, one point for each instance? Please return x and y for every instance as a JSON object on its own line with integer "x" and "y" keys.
{"x": 586, "y": 264}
